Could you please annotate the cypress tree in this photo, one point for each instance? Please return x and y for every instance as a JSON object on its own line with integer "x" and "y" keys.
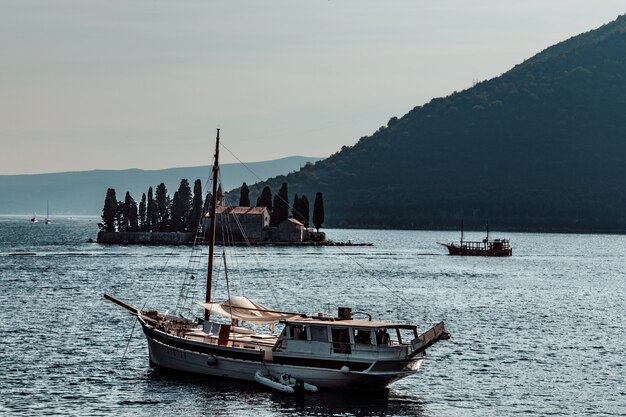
{"x": 196, "y": 206}
{"x": 109, "y": 214}
{"x": 129, "y": 214}
{"x": 184, "y": 205}
{"x": 318, "y": 211}
{"x": 244, "y": 196}
{"x": 265, "y": 199}
{"x": 119, "y": 214}
{"x": 142, "y": 212}
{"x": 176, "y": 218}
{"x": 304, "y": 210}
{"x": 162, "y": 206}
{"x": 281, "y": 205}
{"x": 295, "y": 208}
{"x": 151, "y": 213}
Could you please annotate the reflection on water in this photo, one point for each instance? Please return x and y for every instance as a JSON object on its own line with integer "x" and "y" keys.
{"x": 211, "y": 392}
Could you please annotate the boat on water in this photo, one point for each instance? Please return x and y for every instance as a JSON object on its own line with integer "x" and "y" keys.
{"x": 485, "y": 247}
{"x": 285, "y": 351}
{"x": 34, "y": 219}
{"x": 48, "y": 219}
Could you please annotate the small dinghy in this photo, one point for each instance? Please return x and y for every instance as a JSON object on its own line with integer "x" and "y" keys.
{"x": 284, "y": 383}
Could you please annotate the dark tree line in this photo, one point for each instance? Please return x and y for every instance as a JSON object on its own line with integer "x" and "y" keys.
{"x": 156, "y": 212}
{"x": 279, "y": 205}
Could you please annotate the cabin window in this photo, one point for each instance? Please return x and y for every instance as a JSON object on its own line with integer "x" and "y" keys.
{"x": 299, "y": 332}
{"x": 407, "y": 335}
{"x": 382, "y": 337}
{"x": 341, "y": 340}
{"x": 319, "y": 333}
{"x": 362, "y": 336}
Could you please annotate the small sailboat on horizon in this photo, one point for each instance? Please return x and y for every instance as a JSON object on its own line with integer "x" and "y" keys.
{"x": 48, "y": 220}
{"x": 310, "y": 352}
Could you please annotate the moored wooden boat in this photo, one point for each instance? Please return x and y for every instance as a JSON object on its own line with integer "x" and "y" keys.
{"x": 485, "y": 247}
{"x": 330, "y": 352}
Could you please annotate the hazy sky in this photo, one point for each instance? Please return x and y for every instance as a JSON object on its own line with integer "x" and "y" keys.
{"x": 144, "y": 84}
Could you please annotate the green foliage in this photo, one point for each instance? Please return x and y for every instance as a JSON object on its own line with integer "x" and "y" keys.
{"x": 142, "y": 212}
{"x": 196, "y": 206}
{"x": 162, "y": 204}
{"x": 244, "y": 196}
{"x": 109, "y": 212}
{"x": 318, "y": 211}
{"x": 281, "y": 206}
{"x": 265, "y": 199}
{"x": 152, "y": 213}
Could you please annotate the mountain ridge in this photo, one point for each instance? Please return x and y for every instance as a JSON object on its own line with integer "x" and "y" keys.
{"x": 83, "y": 192}
{"x": 538, "y": 148}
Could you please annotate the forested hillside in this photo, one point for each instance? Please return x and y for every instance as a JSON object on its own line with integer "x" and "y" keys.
{"x": 541, "y": 147}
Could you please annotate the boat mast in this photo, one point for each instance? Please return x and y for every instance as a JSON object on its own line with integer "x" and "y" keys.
{"x": 461, "y": 232}
{"x": 209, "y": 277}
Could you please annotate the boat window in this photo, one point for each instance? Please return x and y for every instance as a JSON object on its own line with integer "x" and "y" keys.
{"x": 363, "y": 336}
{"x": 383, "y": 337}
{"x": 319, "y": 333}
{"x": 406, "y": 335}
{"x": 299, "y": 332}
{"x": 341, "y": 340}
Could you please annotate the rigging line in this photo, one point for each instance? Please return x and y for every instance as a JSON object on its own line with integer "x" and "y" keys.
{"x": 256, "y": 259}
{"x": 263, "y": 274}
{"x": 230, "y": 305}
{"x": 144, "y": 305}
{"x": 289, "y": 206}
{"x": 344, "y": 252}
{"x": 390, "y": 289}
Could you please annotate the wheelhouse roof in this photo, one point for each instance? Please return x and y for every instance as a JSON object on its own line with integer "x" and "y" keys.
{"x": 348, "y": 323}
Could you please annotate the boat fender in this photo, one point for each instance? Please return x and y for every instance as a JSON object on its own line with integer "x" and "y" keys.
{"x": 284, "y": 379}
{"x": 211, "y": 360}
{"x": 345, "y": 370}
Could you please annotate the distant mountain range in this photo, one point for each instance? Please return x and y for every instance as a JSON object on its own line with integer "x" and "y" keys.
{"x": 83, "y": 193}
{"x": 541, "y": 147}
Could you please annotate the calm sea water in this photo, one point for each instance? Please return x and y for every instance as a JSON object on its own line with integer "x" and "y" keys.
{"x": 540, "y": 333}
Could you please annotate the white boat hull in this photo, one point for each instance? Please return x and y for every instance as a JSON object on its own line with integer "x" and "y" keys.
{"x": 217, "y": 365}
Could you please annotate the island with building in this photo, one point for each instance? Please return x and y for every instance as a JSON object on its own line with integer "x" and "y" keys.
{"x": 184, "y": 219}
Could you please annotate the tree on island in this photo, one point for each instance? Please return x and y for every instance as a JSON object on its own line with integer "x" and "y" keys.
{"x": 176, "y": 214}
{"x": 142, "y": 212}
{"x": 162, "y": 205}
{"x": 151, "y": 213}
{"x": 109, "y": 212}
{"x": 303, "y": 210}
{"x": 130, "y": 221}
{"x": 196, "y": 206}
{"x": 265, "y": 199}
{"x": 281, "y": 206}
{"x": 183, "y": 206}
{"x": 318, "y": 211}
{"x": 244, "y": 196}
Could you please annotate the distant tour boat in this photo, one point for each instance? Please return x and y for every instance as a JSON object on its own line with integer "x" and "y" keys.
{"x": 34, "y": 219}
{"x": 486, "y": 247}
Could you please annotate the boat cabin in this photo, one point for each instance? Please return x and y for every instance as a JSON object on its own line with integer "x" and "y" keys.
{"x": 344, "y": 337}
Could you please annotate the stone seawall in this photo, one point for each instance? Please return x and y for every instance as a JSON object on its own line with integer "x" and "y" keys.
{"x": 146, "y": 238}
